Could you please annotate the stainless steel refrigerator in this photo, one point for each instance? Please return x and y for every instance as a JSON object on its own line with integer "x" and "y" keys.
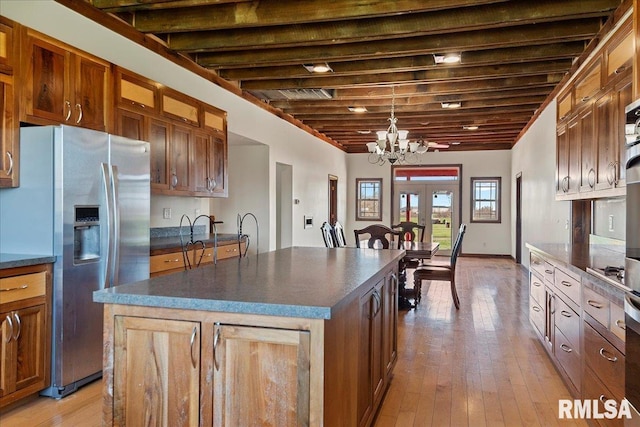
{"x": 84, "y": 197}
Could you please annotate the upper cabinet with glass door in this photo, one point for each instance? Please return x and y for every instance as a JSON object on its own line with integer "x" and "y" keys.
{"x": 9, "y": 156}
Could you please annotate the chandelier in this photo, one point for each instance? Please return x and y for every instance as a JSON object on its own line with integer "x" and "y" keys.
{"x": 392, "y": 145}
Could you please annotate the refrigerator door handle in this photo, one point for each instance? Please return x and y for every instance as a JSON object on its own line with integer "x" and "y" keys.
{"x": 108, "y": 191}
{"x": 115, "y": 184}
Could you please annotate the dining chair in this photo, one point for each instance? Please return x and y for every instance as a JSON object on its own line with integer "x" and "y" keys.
{"x": 338, "y": 233}
{"x": 327, "y": 235}
{"x": 379, "y": 233}
{"x": 444, "y": 272}
{"x": 408, "y": 229}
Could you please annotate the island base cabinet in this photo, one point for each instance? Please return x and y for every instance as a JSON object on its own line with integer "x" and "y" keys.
{"x": 157, "y": 372}
{"x": 261, "y": 377}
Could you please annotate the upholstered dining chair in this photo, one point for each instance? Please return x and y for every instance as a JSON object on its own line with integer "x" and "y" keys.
{"x": 380, "y": 236}
{"x": 437, "y": 271}
{"x": 327, "y": 235}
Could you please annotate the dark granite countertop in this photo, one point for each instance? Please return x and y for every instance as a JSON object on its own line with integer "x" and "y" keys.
{"x": 24, "y": 260}
{"x": 169, "y": 242}
{"x": 580, "y": 258}
{"x": 303, "y": 282}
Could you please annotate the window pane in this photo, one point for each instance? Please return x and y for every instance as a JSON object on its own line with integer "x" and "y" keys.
{"x": 368, "y": 203}
{"x": 485, "y": 203}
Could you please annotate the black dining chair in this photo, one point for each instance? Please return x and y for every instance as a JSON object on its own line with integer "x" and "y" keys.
{"x": 327, "y": 235}
{"x": 437, "y": 271}
{"x": 379, "y": 236}
{"x": 338, "y": 234}
{"x": 411, "y": 231}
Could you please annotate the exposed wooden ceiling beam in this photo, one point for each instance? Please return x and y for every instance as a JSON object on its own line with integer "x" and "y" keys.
{"x": 458, "y": 42}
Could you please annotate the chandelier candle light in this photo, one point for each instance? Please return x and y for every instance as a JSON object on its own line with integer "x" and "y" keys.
{"x": 398, "y": 149}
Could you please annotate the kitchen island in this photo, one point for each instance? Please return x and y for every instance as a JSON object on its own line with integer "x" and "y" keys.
{"x": 298, "y": 336}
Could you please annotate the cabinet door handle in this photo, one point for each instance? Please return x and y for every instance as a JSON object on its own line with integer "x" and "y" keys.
{"x": 620, "y": 324}
{"x": 194, "y": 333}
{"x": 216, "y": 338}
{"x": 79, "y": 108}
{"x": 537, "y": 284}
{"x": 594, "y": 304}
{"x": 10, "y": 170}
{"x": 565, "y": 283}
{"x": 17, "y": 288}
{"x": 565, "y": 313}
{"x": 10, "y": 334}
{"x": 565, "y": 184}
{"x": 536, "y": 308}
{"x": 566, "y": 348}
{"x": 591, "y": 178}
{"x": 394, "y": 277}
{"x": 610, "y": 359}
{"x": 68, "y": 105}
{"x": 19, "y": 326}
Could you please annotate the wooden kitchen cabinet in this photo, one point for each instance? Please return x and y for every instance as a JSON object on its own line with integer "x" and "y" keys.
{"x": 158, "y": 361}
{"x": 25, "y": 332}
{"x": 9, "y": 143}
{"x": 390, "y": 317}
{"x": 181, "y": 158}
{"x": 180, "y": 107}
{"x": 261, "y": 376}
{"x": 172, "y": 261}
{"x": 136, "y": 93}
{"x": 213, "y": 147}
{"x": 64, "y": 86}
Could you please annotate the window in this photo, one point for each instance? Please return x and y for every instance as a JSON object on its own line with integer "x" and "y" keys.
{"x": 368, "y": 199}
{"x": 485, "y": 199}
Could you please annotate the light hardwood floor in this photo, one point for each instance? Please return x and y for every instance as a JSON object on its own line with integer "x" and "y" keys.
{"x": 479, "y": 366}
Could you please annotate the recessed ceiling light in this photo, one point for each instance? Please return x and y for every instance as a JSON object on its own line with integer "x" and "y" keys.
{"x": 359, "y": 109}
{"x": 470, "y": 127}
{"x": 321, "y": 67}
{"x": 455, "y": 143}
{"x": 364, "y": 132}
{"x": 451, "y": 104}
{"x": 447, "y": 58}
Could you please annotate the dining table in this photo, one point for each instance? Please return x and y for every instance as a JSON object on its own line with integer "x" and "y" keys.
{"x": 413, "y": 250}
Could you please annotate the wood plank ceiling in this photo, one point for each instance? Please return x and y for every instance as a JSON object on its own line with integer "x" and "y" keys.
{"x": 514, "y": 54}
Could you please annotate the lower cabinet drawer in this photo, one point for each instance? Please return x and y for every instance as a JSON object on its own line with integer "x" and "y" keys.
{"x": 165, "y": 262}
{"x": 569, "y": 358}
{"x": 605, "y": 360}
{"x": 597, "y": 306}
{"x": 593, "y": 389}
{"x": 21, "y": 287}
{"x": 536, "y": 289}
{"x": 568, "y": 322}
{"x": 616, "y": 321}
{"x": 568, "y": 284}
{"x": 536, "y": 316}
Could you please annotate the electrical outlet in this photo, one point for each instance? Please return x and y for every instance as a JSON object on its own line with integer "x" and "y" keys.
{"x": 611, "y": 223}
{"x": 566, "y": 225}
{"x": 166, "y": 213}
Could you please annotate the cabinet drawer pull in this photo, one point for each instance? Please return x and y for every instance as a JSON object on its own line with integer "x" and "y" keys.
{"x": 567, "y": 284}
{"x": 566, "y": 348}
{"x": 536, "y": 308}
{"x": 548, "y": 271}
{"x": 17, "y": 288}
{"x": 620, "y": 324}
{"x": 216, "y": 338}
{"x": 610, "y": 359}
{"x": 537, "y": 284}
{"x": 594, "y": 304}
{"x": 172, "y": 260}
{"x": 603, "y": 398}
{"x": 10, "y": 334}
{"x": 585, "y": 98}
{"x": 19, "y": 326}
{"x": 194, "y": 333}
{"x": 10, "y": 170}
{"x": 565, "y": 313}
{"x": 620, "y": 69}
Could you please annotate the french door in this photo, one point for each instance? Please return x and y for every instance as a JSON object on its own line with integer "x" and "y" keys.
{"x": 434, "y": 205}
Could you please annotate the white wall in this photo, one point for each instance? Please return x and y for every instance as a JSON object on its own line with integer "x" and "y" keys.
{"x": 543, "y": 218}
{"x": 480, "y": 238}
{"x": 312, "y": 158}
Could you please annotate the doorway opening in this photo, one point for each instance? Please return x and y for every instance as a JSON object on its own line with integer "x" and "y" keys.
{"x": 284, "y": 205}
{"x": 333, "y": 199}
{"x": 430, "y": 196}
